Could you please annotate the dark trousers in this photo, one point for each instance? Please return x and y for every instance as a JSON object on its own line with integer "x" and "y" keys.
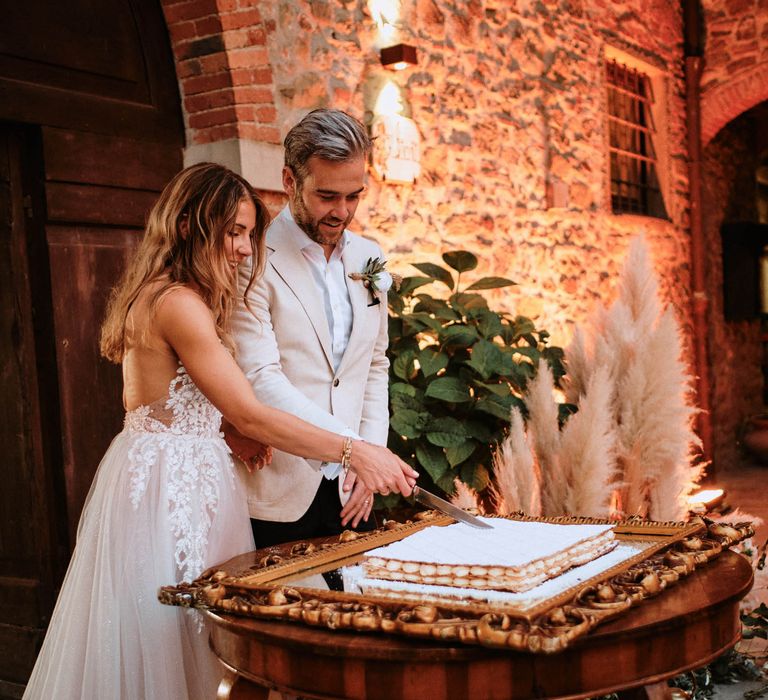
{"x": 321, "y": 519}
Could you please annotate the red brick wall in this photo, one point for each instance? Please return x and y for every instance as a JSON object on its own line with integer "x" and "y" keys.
{"x": 224, "y": 72}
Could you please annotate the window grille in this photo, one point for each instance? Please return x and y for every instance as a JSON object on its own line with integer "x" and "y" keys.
{"x": 634, "y": 181}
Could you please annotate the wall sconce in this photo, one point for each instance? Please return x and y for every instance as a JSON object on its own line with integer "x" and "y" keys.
{"x": 398, "y": 57}
{"x": 397, "y": 143}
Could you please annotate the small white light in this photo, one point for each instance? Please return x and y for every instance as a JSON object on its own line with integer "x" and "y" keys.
{"x": 705, "y": 498}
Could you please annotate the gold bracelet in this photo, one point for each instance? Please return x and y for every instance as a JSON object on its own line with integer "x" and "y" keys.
{"x": 346, "y": 454}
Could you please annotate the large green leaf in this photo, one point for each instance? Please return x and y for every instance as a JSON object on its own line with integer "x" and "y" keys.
{"x": 491, "y": 283}
{"x": 425, "y": 319}
{"x": 498, "y": 406}
{"x": 436, "y": 272}
{"x": 456, "y": 455}
{"x": 398, "y": 388}
{"x": 432, "y": 459}
{"x": 446, "y": 483}
{"x": 475, "y": 476}
{"x": 478, "y": 429}
{"x": 489, "y": 324}
{"x": 445, "y": 432}
{"x": 450, "y": 389}
{"x": 486, "y": 358}
{"x": 523, "y": 326}
{"x": 409, "y": 423}
{"x": 438, "y": 307}
{"x": 395, "y": 303}
{"x": 413, "y": 403}
{"x": 410, "y": 284}
{"x": 458, "y": 334}
{"x": 501, "y": 389}
{"x": 460, "y": 260}
{"x": 403, "y": 366}
{"x": 432, "y": 361}
{"x": 533, "y": 353}
{"x": 465, "y": 303}
{"x": 507, "y": 363}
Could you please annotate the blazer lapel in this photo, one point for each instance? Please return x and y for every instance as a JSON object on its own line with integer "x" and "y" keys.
{"x": 359, "y": 295}
{"x": 290, "y": 264}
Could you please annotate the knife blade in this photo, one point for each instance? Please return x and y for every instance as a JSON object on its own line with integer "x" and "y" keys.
{"x": 429, "y": 499}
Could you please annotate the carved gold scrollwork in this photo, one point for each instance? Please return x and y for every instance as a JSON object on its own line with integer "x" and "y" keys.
{"x": 549, "y": 632}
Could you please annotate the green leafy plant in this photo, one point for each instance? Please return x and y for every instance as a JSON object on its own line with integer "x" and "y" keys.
{"x": 755, "y": 623}
{"x": 456, "y": 369}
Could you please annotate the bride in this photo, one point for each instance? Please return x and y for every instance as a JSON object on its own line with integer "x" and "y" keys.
{"x": 166, "y": 502}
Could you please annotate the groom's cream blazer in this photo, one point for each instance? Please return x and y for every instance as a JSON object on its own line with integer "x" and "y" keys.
{"x": 284, "y": 348}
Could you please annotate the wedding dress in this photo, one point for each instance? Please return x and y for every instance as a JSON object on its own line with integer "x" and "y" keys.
{"x": 165, "y": 504}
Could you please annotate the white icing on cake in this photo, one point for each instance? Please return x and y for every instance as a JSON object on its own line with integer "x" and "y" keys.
{"x": 356, "y": 581}
{"x": 514, "y": 555}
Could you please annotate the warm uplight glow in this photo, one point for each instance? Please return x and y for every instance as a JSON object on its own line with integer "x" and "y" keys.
{"x": 389, "y": 101}
{"x": 705, "y": 497}
{"x": 386, "y": 15}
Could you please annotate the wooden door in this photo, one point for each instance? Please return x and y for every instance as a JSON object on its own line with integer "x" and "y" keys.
{"x": 33, "y": 533}
{"x": 98, "y": 189}
{"x": 90, "y": 132}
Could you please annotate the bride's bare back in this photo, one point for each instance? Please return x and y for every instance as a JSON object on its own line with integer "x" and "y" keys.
{"x": 149, "y": 363}
{"x": 181, "y": 330}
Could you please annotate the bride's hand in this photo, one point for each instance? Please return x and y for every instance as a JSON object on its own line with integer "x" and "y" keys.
{"x": 360, "y": 502}
{"x": 380, "y": 470}
{"x": 252, "y": 453}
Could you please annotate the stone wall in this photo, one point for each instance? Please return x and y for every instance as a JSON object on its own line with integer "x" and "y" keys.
{"x": 735, "y": 76}
{"x": 508, "y": 96}
{"x": 509, "y": 99}
{"x": 735, "y": 347}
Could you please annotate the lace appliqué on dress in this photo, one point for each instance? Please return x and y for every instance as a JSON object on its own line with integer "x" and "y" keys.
{"x": 180, "y": 435}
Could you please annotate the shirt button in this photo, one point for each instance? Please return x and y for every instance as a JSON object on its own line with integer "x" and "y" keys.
{"x": 336, "y": 382}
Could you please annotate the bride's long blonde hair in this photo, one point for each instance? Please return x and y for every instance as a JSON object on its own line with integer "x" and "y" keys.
{"x": 185, "y": 244}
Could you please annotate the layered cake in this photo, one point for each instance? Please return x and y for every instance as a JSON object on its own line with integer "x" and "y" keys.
{"x": 513, "y": 556}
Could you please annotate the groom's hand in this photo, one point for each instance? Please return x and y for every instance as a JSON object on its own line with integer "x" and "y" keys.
{"x": 360, "y": 503}
{"x": 252, "y": 453}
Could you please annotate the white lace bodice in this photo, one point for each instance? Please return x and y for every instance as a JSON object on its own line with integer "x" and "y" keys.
{"x": 185, "y": 411}
{"x": 181, "y": 436}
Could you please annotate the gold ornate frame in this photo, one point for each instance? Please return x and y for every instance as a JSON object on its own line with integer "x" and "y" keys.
{"x": 671, "y": 550}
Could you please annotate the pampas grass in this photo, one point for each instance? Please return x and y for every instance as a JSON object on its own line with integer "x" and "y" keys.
{"x": 464, "y": 496}
{"x": 518, "y": 477}
{"x": 544, "y": 438}
{"x": 588, "y": 450}
{"x": 629, "y": 450}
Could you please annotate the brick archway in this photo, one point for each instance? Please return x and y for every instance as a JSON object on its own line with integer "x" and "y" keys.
{"x": 727, "y": 101}
{"x": 225, "y": 78}
{"x": 226, "y": 86}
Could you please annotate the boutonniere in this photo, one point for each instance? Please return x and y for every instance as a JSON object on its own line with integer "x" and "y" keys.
{"x": 376, "y": 279}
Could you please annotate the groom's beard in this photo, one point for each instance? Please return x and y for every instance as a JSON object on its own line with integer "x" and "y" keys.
{"x": 311, "y": 226}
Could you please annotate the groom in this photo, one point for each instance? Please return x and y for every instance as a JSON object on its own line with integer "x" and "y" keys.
{"x": 316, "y": 345}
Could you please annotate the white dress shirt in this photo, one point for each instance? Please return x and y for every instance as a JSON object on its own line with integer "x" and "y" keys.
{"x": 331, "y": 284}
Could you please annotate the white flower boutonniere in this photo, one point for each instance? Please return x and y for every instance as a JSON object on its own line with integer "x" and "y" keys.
{"x": 376, "y": 279}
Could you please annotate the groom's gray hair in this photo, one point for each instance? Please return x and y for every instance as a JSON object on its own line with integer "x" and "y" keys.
{"x": 326, "y": 133}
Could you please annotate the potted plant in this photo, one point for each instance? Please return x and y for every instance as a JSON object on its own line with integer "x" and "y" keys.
{"x": 457, "y": 368}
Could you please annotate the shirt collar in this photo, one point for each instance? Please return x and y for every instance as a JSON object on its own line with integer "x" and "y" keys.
{"x": 301, "y": 240}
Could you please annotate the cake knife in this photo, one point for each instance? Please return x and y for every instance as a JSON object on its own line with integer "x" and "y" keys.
{"x": 429, "y": 499}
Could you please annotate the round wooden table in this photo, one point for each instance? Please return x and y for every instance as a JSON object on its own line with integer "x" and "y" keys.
{"x": 685, "y": 627}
